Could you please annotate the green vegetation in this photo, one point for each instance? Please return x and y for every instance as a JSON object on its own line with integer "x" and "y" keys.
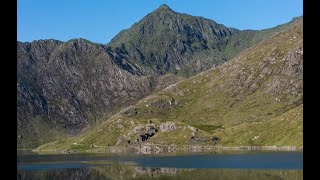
{"x": 207, "y": 128}
{"x": 246, "y": 38}
{"x": 284, "y": 130}
{"x": 37, "y": 133}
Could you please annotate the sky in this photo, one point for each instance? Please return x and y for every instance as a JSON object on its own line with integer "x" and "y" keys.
{"x": 100, "y": 20}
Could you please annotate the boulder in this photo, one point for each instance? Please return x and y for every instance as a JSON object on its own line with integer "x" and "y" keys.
{"x": 167, "y": 126}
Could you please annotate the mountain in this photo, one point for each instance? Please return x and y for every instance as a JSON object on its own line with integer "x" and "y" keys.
{"x": 253, "y": 99}
{"x": 66, "y": 87}
{"x": 69, "y": 87}
{"x": 167, "y": 41}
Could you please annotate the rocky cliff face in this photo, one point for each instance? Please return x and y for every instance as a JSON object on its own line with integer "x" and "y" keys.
{"x": 30, "y": 57}
{"x": 73, "y": 84}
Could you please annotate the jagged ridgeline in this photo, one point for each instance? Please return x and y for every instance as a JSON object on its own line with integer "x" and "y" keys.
{"x": 69, "y": 87}
{"x": 167, "y": 41}
{"x": 254, "y": 99}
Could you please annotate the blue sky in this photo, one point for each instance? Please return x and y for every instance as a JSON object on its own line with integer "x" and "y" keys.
{"x": 100, "y": 20}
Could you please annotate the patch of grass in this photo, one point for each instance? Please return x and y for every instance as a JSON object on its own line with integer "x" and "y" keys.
{"x": 283, "y": 130}
{"x": 38, "y": 132}
{"x": 80, "y": 147}
{"x": 207, "y": 128}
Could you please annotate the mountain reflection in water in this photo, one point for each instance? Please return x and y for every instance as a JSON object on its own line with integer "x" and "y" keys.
{"x": 245, "y": 165}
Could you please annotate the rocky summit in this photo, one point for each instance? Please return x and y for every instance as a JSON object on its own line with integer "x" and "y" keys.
{"x": 71, "y": 88}
{"x": 167, "y": 41}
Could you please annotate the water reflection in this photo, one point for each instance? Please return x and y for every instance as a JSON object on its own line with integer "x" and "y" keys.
{"x": 248, "y": 165}
{"x": 119, "y": 171}
{"x": 153, "y": 170}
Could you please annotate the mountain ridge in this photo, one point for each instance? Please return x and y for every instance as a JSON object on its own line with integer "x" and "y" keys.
{"x": 69, "y": 87}
{"x": 255, "y": 99}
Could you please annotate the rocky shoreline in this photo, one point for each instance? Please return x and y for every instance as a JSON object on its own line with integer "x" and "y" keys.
{"x": 262, "y": 148}
{"x": 155, "y": 149}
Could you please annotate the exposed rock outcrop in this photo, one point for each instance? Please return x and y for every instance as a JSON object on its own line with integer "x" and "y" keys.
{"x": 73, "y": 84}
{"x": 167, "y": 126}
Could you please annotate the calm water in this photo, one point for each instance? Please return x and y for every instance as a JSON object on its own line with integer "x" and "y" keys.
{"x": 236, "y": 165}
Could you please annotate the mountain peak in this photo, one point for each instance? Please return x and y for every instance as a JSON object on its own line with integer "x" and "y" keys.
{"x": 164, "y": 7}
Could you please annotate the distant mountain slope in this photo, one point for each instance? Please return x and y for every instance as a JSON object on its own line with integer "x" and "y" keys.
{"x": 247, "y": 38}
{"x": 254, "y": 99}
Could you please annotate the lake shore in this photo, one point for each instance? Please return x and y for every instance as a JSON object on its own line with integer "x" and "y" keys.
{"x": 151, "y": 148}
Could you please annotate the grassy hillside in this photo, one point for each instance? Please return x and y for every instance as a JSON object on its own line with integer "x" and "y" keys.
{"x": 37, "y": 133}
{"x": 254, "y": 99}
{"x": 247, "y": 38}
{"x": 285, "y": 129}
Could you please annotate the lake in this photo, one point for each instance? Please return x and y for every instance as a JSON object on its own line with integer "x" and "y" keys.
{"x": 208, "y": 165}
